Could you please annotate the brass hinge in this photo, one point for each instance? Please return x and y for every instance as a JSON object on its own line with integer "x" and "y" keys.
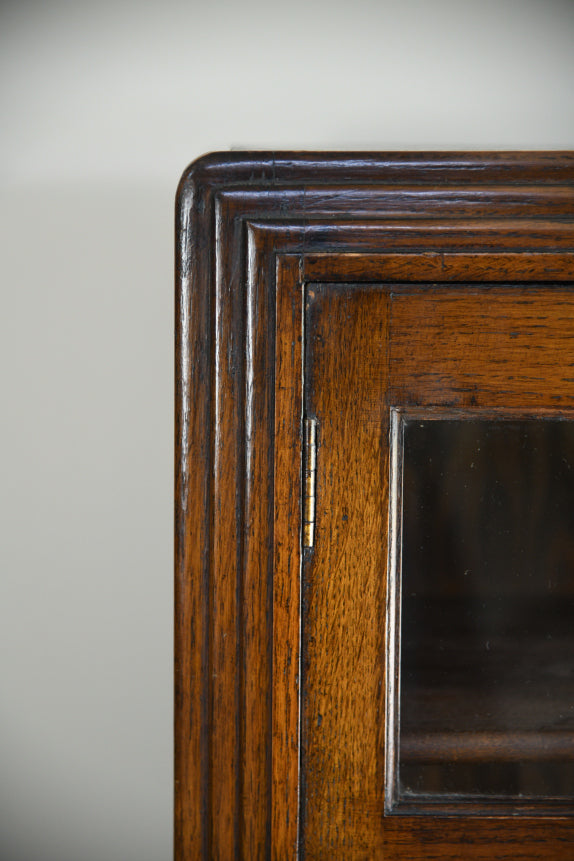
{"x": 310, "y": 481}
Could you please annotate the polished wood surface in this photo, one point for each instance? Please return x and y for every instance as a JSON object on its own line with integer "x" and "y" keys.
{"x": 343, "y": 590}
{"x": 483, "y": 348}
{"x": 252, "y": 230}
{"x": 286, "y": 666}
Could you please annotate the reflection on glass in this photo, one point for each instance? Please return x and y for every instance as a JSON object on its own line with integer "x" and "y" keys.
{"x": 487, "y": 618}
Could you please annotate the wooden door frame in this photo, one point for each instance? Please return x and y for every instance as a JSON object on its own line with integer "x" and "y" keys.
{"x": 252, "y": 230}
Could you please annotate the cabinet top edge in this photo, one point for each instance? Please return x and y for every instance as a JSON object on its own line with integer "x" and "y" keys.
{"x": 268, "y": 168}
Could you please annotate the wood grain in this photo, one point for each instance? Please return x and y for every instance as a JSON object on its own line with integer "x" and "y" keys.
{"x": 256, "y": 573}
{"x": 436, "y": 838}
{"x": 344, "y": 586}
{"x": 442, "y": 266}
{"x": 483, "y": 348}
{"x": 226, "y": 546}
{"x": 287, "y": 560}
{"x": 405, "y": 218}
{"x": 192, "y": 514}
{"x": 343, "y": 724}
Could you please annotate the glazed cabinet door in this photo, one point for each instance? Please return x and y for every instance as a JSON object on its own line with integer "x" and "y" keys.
{"x": 374, "y": 507}
{"x": 438, "y": 594}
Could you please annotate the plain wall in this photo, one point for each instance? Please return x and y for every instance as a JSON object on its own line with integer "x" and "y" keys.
{"x": 102, "y": 105}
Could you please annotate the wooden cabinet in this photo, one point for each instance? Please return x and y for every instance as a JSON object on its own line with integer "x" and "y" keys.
{"x": 352, "y": 329}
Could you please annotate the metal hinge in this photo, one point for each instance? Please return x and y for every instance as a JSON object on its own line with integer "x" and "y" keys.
{"x": 310, "y": 481}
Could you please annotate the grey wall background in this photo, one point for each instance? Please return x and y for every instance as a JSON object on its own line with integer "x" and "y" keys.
{"x": 102, "y": 106}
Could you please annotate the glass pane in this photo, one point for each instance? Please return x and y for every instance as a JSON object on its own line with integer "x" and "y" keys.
{"x": 487, "y": 618}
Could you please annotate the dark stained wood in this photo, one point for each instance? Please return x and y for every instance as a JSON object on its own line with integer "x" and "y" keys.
{"x": 344, "y": 590}
{"x": 253, "y": 576}
{"x": 192, "y": 516}
{"x": 483, "y": 348}
{"x": 227, "y": 710}
{"x": 441, "y": 266}
{"x": 436, "y": 838}
{"x": 285, "y": 729}
{"x": 403, "y": 218}
{"x": 349, "y": 382}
